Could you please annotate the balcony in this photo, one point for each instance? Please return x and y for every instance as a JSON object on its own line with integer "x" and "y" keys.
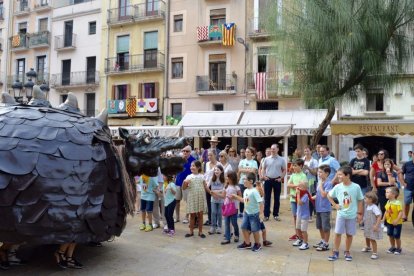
{"x": 153, "y": 62}
{"x": 257, "y": 29}
{"x": 213, "y": 35}
{"x": 147, "y": 107}
{"x": 42, "y": 5}
{"x": 136, "y": 13}
{"x": 41, "y": 77}
{"x": 40, "y": 39}
{"x": 275, "y": 84}
{"x": 75, "y": 79}
{"x": 221, "y": 85}
{"x": 1, "y": 13}
{"x": 65, "y": 3}
{"x": 21, "y": 8}
{"x": 65, "y": 42}
{"x": 19, "y": 42}
{"x": 1, "y": 44}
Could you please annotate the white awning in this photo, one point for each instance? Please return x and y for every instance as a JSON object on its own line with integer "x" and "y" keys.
{"x": 162, "y": 131}
{"x": 305, "y": 122}
{"x": 228, "y": 124}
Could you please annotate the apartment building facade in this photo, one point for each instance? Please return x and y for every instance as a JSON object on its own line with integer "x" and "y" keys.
{"x": 29, "y": 41}
{"x": 134, "y": 47}
{"x": 4, "y": 27}
{"x": 75, "y": 57}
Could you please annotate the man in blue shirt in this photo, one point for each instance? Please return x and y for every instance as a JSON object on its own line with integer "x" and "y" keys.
{"x": 186, "y": 154}
{"x": 326, "y": 159}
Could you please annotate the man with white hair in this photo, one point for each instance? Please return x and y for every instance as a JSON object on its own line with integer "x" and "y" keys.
{"x": 186, "y": 154}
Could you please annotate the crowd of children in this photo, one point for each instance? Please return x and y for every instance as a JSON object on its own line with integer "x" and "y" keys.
{"x": 347, "y": 198}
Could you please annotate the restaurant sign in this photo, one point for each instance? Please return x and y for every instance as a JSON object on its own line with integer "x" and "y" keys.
{"x": 374, "y": 129}
{"x": 240, "y": 131}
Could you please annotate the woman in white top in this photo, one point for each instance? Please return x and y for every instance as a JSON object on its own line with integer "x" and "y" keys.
{"x": 223, "y": 159}
{"x": 208, "y": 175}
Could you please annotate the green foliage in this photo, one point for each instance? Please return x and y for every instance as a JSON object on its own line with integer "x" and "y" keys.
{"x": 335, "y": 47}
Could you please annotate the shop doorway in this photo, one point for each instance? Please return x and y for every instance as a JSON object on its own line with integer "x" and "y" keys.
{"x": 375, "y": 143}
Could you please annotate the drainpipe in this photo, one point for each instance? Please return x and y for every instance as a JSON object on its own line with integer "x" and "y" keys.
{"x": 107, "y": 56}
{"x": 167, "y": 67}
{"x": 7, "y": 46}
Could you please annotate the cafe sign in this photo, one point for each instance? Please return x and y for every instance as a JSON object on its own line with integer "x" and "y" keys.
{"x": 370, "y": 128}
{"x": 150, "y": 130}
{"x": 238, "y": 131}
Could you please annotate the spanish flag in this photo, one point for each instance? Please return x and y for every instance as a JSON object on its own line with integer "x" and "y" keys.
{"x": 229, "y": 32}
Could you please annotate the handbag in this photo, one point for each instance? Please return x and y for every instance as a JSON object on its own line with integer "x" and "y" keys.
{"x": 228, "y": 208}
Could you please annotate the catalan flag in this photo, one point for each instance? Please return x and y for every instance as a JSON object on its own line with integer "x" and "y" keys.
{"x": 131, "y": 107}
{"x": 229, "y": 32}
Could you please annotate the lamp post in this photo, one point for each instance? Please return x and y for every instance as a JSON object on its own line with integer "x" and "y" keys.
{"x": 24, "y": 95}
{"x": 246, "y": 49}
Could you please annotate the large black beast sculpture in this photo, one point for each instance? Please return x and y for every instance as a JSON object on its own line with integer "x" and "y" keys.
{"x": 62, "y": 179}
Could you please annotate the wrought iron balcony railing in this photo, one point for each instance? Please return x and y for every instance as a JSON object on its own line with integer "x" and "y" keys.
{"x": 275, "y": 84}
{"x": 153, "y": 61}
{"x": 75, "y": 79}
{"x": 65, "y": 42}
{"x": 42, "y": 5}
{"x": 221, "y": 84}
{"x": 139, "y": 12}
{"x": 42, "y": 77}
{"x": 39, "y": 39}
{"x": 19, "y": 42}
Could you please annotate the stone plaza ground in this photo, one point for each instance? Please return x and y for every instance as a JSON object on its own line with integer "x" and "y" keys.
{"x": 152, "y": 253}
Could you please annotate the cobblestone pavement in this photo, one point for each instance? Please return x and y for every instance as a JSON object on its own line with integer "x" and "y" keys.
{"x": 152, "y": 253}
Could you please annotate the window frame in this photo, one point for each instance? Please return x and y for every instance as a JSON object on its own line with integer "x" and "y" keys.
{"x": 90, "y": 24}
{"x": 174, "y": 61}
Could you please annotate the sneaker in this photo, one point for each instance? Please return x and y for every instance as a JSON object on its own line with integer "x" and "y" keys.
{"x": 293, "y": 237}
{"x": 277, "y": 218}
{"x": 361, "y": 226}
{"x": 13, "y": 260}
{"x": 165, "y": 227}
{"x": 256, "y": 247}
{"x": 165, "y": 231}
{"x": 334, "y": 256}
{"x": 244, "y": 246}
{"x": 4, "y": 265}
{"x": 267, "y": 243}
{"x": 385, "y": 229}
{"x": 298, "y": 242}
{"x": 148, "y": 228}
{"x": 374, "y": 256}
{"x": 240, "y": 215}
{"x": 212, "y": 230}
{"x": 266, "y": 219}
{"x": 218, "y": 230}
{"x": 207, "y": 222}
{"x": 348, "y": 256}
{"x": 391, "y": 250}
{"x": 236, "y": 239}
{"x": 366, "y": 249}
{"x": 142, "y": 226}
{"x": 397, "y": 251}
{"x": 320, "y": 243}
{"x": 155, "y": 226}
{"x": 310, "y": 220}
{"x": 176, "y": 220}
{"x": 323, "y": 247}
{"x": 185, "y": 221}
{"x": 304, "y": 246}
{"x": 225, "y": 242}
{"x": 171, "y": 233}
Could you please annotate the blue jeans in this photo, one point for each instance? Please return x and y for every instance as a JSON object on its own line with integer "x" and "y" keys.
{"x": 233, "y": 220}
{"x": 216, "y": 216}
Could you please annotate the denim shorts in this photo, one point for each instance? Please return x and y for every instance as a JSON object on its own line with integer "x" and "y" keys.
{"x": 251, "y": 222}
{"x": 394, "y": 231}
{"x": 294, "y": 208}
{"x": 147, "y": 205}
{"x": 408, "y": 196}
{"x": 323, "y": 221}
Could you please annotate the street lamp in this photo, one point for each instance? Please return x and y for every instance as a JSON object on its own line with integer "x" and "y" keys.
{"x": 45, "y": 88}
{"x": 19, "y": 92}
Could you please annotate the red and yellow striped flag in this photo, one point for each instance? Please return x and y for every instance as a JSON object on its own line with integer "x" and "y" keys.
{"x": 229, "y": 32}
{"x": 131, "y": 107}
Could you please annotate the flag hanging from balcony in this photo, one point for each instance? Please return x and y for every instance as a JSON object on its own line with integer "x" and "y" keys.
{"x": 121, "y": 106}
{"x": 229, "y": 31}
{"x": 112, "y": 106}
{"x": 131, "y": 107}
{"x": 151, "y": 105}
{"x": 260, "y": 82}
{"x": 215, "y": 32}
{"x": 202, "y": 33}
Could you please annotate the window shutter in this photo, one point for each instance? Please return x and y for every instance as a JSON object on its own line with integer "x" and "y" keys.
{"x": 113, "y": 92}
{"x": 140, "y": 96}
{"x": 157, "y": 90}
{"x": 128, "y": 91}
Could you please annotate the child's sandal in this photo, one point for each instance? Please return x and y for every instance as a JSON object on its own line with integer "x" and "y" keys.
{"x": 61, "y": 259}
{"x": 73, "y": 263}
